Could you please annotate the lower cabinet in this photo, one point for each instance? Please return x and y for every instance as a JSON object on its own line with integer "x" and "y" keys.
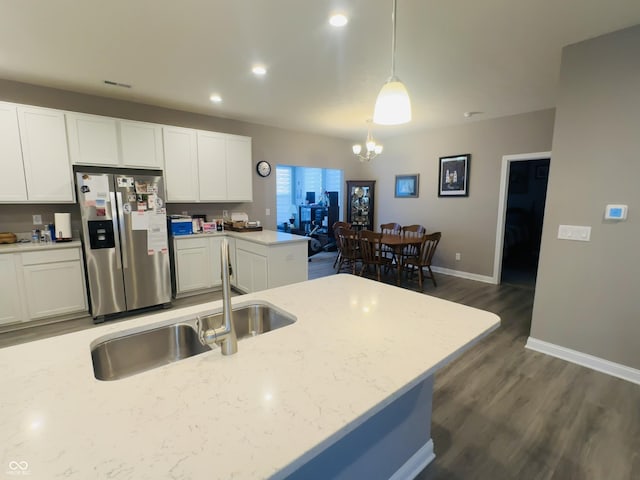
{"x": 254, "y": 266}
{"x": 41, "y": 284}
{"x": 10, "y": 310}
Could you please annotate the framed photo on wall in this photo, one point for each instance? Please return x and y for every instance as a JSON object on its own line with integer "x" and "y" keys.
{"x": 407, "y": 186}
{"x": 454, "y": 176}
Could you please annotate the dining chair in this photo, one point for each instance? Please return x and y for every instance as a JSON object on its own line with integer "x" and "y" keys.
{"x": 372, "y": 254}
{"x": 351, "y": 254}
{"x": 335, "y": 227}
{"x": 412, "y": 232}
{"x": 423, "y": 259}
{"x": 390, "y": 229}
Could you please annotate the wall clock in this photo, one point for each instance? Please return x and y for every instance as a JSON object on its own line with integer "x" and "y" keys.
{"x": 264, "y": 168}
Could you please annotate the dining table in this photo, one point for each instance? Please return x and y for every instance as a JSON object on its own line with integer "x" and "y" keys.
{"x": 397, "y": 244}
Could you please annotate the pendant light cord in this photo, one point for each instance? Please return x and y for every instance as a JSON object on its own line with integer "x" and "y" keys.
{"x": 393, "y": 41}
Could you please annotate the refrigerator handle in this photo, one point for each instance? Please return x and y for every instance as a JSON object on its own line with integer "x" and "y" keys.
{"x": 123, "y": 236}
{"x": 116, "y": 236}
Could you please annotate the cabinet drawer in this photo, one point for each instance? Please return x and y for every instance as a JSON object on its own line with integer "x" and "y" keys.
{"x": 256, "y": 248}
{"x": 50, "y": 256}
{"x": 190, "y": 242}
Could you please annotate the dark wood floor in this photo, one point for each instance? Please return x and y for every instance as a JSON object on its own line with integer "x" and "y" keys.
{"x": 501, "y": 411}
{"x": 504, "y": 412}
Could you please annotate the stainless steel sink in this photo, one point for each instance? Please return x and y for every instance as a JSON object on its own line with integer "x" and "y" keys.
{"x": 138, "y": 352}
{"x": 251, "y": 320}
{"x": 125, "y": 356}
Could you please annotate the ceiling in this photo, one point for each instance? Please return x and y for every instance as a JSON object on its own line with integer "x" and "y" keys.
{"x": 499, "y": 57}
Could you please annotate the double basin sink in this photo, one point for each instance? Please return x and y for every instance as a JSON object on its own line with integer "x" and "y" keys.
{"x": 134, "y": 353}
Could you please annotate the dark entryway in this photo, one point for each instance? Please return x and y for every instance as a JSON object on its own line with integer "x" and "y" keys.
{"x": 523, "y": 225}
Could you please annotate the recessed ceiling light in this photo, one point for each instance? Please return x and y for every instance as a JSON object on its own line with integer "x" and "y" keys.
{"x": 259, "y": 70}
{"x": 338, "y": 20}
{"x": 215, "y": 98}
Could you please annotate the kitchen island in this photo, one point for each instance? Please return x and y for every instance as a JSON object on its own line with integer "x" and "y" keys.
{"x": 322, "y": 386}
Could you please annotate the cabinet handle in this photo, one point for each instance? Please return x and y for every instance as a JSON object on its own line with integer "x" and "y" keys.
{"x": 123, "y": 234}
{"x": 116, "y": 236}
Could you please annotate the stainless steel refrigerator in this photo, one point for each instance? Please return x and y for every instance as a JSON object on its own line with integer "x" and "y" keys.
{"x": 125, "y": 240}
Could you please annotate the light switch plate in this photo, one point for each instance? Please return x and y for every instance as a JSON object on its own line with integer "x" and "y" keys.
{"x": 37, "y": 219}
{"x": 574, "y": 232}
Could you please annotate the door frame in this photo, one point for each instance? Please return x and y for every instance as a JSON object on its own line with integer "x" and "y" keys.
{"x": 502, "y": 204}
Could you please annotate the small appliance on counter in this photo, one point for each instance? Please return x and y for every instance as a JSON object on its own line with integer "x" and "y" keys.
{"x": 62, "y": 223}
{"x": 240, "y": 223}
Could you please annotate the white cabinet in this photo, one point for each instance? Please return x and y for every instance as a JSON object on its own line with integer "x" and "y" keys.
{"x": 251, "y": 268}
{"x": 40, "y": 284}
{"x": 93, "y": 139}
{"x": 261, "y": 266}
{"x": 140, "y": 144}
{"x": 12, "y": 182}
{"x": 191, "y": 258}
{"x": 34, "y": 163}
{"x": 44, "y": 153}
{"x": 238, "y": 167}
{"x": 54, "y": 283}
{"x": 112, "y": 142}
{"x": 197, "y": 264}
{"x": 202, "y": 166}
{"x": 10, "y": 310}
{"x": 181, "y": 164}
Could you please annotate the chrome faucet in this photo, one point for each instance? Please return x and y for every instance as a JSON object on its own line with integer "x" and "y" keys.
{"x": 225, "y": 335}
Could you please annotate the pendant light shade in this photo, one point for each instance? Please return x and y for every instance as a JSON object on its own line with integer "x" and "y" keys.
{"x": 393, "y": 106}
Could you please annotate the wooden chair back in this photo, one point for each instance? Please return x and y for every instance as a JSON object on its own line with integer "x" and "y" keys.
{"x": 391, "y": 228}
{"x": 415, "y": 232}
{"x": 350, "y": 242}
{"x": 424, "y": 257}
{"x": 372, "y": 252}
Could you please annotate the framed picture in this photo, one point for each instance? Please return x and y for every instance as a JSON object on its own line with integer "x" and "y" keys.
{"x": 407, "y": 186}
{"x": 454, "y": 176}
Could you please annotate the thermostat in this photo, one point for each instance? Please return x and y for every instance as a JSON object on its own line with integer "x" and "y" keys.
{"x": 615, "y": 212}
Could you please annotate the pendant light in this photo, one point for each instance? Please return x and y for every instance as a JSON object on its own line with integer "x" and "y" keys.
{"x": 393, "y": 106}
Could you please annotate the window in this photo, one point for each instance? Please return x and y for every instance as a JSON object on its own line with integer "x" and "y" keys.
{"x": 284, "y": 198}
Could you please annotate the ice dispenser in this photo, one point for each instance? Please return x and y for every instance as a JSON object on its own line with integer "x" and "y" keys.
{"x": 101, "y": 234}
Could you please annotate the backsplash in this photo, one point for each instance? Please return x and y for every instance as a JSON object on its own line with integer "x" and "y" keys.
{"x": 18, "y": 218}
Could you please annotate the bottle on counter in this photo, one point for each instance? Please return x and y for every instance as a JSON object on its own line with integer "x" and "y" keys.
{"x": 35, "y": 236}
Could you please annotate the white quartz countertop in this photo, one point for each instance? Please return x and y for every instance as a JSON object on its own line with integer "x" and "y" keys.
{"x": 284, "y": 397}
{"x": 263, "y": 237}
{"x": 31, "y": 247}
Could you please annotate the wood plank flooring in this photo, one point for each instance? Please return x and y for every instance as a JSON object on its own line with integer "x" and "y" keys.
{"x": 501, "y": 411}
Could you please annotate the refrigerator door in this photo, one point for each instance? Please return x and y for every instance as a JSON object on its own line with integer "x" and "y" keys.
{"x": 144, "y": 241}
{"x": 101, "y": 243}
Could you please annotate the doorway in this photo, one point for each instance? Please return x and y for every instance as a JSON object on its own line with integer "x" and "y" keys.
{"x": 520, "y": 218}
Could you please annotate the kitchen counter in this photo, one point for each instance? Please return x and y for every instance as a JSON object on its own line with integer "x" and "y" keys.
{"x": 263, "y": 237}
{"x": 283, "y": 399}
{"x": 30, "y": 247}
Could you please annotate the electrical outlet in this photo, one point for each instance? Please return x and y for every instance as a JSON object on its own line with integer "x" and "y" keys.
{"x": 37, "y": 219}
{"x": 457, "y": 256}
{"x": 268, "y": 212}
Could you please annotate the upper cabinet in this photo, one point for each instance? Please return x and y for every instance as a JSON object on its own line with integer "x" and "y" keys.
{"x": 112, "y": 142}
{"x": 35, "y": 163}
{"x": 202, "y": 166}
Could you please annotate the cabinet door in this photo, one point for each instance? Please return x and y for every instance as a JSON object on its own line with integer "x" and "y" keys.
{"x": 215, "y": 265}
{"x": 46, "y": 160}
{"x": 140, "y": 144}
{"x": 193, "y": 262}
{"x": 181, "y": 164}
{"x": 93, "y": 139}
{"x": 212, "y": 166}
{"x": 12, "y": 184}
{"x": 251, "y": 271}
{"x": 239, "y": 171}
{"x": 9, "y": 292}
{"x": 54, "y": 289}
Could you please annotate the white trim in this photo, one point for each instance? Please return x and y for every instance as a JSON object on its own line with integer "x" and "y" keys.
{"x": 502, "y": 205}
{"x": 416, "y": 463}
{"x": 584, "y": 359}
{"x": 461, "y": 274}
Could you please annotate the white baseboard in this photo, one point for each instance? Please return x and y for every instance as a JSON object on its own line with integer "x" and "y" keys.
{"x": 467, "y": 275}
{"x": 416, "y": 463}
{"x": 584, "y": 359}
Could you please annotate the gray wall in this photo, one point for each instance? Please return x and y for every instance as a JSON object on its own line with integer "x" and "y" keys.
{"x": 587, "y": 293}
{"x": 276, "y": 145}
{"x": 468, "y": 224}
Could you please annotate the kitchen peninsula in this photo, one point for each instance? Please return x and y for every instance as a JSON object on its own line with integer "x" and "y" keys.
{"x": 315, "y": 399}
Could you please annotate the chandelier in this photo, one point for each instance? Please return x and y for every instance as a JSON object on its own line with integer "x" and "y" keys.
{"x": 393, "y": 106}
{"x": 372, "y": 149}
